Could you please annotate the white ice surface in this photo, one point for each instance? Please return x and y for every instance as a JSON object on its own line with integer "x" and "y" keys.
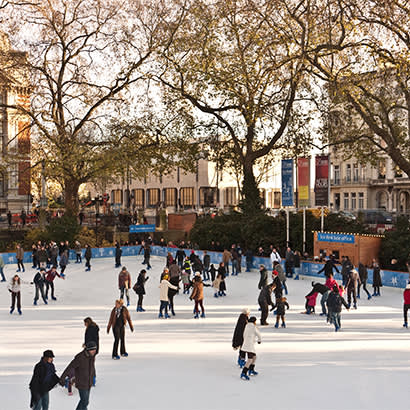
{"x": 183, "y": 363}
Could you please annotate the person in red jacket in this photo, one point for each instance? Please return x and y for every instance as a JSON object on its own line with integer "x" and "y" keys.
{"x": 50, "y": 276}
{"x": 406, "y": 306}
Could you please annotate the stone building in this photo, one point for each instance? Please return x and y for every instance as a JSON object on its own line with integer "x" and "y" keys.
{"x": 14, "y": 130}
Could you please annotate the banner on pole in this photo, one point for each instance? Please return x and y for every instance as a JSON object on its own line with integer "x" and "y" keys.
{"x": 287, "y": 182}
{"x": 303, "y": 182}
{"x": 322, "y": 180}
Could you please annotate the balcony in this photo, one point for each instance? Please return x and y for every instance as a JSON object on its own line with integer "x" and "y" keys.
{"x": 350, "y": 181}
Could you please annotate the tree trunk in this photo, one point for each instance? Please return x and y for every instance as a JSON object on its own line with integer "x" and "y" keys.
{"x": 71, "y": 187}
{"x": 251, "y": 202}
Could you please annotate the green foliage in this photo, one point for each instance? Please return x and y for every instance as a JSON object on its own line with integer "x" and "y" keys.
{"x": 251, "y": 202}
{"x": 86, "y": 236}
{"x": 395, "y": 245}
{"x": 65, "y": 228}
{"x": 35, "y": 235}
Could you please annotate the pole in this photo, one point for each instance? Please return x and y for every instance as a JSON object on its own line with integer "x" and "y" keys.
{"x": 287, "y": 227}
{"x": 322, "y": 218}
{"x": 304, "y": 230}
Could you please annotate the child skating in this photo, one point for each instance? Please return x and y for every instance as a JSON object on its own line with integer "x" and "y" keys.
{"x": 281, "y": 306}
{"x": 250, "y": 334}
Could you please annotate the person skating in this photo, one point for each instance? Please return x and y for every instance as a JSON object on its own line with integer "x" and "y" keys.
{"x": 281, "y": 307}
{"x": 87, "y": 256}
{"x": 406, "y": 305}
{"x": 77, "y": 250}
{"x": 353, "y": 281}
{"x": 180, "y": 257}
{"x": 347, "y": 266}
{"x": 118, "y": 253}
{"x": 278, "y": 285}
{"x": 363, "y": 275}
{"x": 91, "y": 333}
{"x": 198, "y": 295}
{"x": 250, "y": 334}
{"x": 39, "y": 283}
{"x": 263, "y": 278}
{"x": 139, "y": 289}
{"x": 226, "y": 257}
{"x": 334, "y": 305}
{"x": 206, "y": 264}
{"x": 20, "y": 257}
{"x": 174, "y": 280}
{"x": 212, "y": 272}
{"x": 281, "y": 275}
{"x": 310, "y": 302}
{"x": 15, "y": 290}
{"x": 63, "y": 263}
{"x": 50, "y": 276}
{"x": 221, "y": 276}
{"x": 377, "y": 279}
{"x": 3, "y": 278}
{"x": 34, "y": 258}
{"x": 163, "y": 296}
{"x": 83, "y": 366}
{"x": 43, "y": 380}
{"x": 265, "y": 300}
{"x": 124, "y": 283}
{"x": 328, "y": 267}
{"x": 237, "y": 339}
{"x": 186, "y": 274}
{"x": 147, "y": 255}
{"x": 42, "y": 257}
{"x": 118, "y": 319}
{"x": 324, "y": 291}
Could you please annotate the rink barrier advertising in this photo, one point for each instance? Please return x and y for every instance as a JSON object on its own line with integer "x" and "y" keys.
{"x": 142, "y": 228}
{"x": 335, "y": 237}
{"x": 389, "y": 278}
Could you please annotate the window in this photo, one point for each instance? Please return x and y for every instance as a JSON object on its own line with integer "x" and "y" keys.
{"x": 382, "y": 169}
{"x": 127, "y": 198}
{"x": 277, "y": 198}
{"x": 187, "y": 197}
{"x": 346, "y": 200}
{"x": 2, "y": 188}
{"x": 207, "y": 196}
{"x": 262, "y": 194}
{"x": 178, "y": 175}
{"x": 398, "y": 173}
{"x": 348, "y": 173}
{"x": 353, "y": 197}
{"x": 170, "y": 196}
{"x": 116, "y": 196}
{"x": 273, "y": 200}
{"x": 337, "y": 175}
{"x": 230, "y": 196}
{"x": 363, "y": 168}
{"x": 361, "y": 200}
{"x": 153, "y": 197}
{"x": 355, "y": 172}
{"x": 139, "y": 198}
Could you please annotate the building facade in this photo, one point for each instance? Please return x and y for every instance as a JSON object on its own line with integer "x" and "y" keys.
{"x": 15, "y": 173}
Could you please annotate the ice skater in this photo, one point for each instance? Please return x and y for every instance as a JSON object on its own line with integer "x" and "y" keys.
{"x": 124, "y": 283}
{"x": 3, "y": 278}
{"x": 237, "y": 339}
{"x": 50, "y": 276}
{"x": 363, "y": 274}
{"x": 198, "y": 295}
{"x": 87, "y": 256}
{"x": 15, "y": 290}
{"x": 406, "y": 305}
{"x": 281, "y": 306}
{"x": 163, "y": 296}
{"x": 139, "y": 289}
{"x": 310, "y": 302}
{"x": 377, "y": 279}
{"x": 118, "y": 253}
{"x": 20, "y": 257}
{"x": 334, "y": 306}
{"x": 353, "y": 281}
{"x": 265, "y": 300}
{"x": 39, "y": 283}
{"x": 250, "y": 334}
{"x": 186, "y": 275}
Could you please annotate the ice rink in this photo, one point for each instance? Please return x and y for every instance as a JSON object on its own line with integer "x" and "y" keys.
{"x": 186, "y": 363}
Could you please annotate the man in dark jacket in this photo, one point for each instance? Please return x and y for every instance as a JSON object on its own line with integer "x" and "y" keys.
{"x": 118, "y": 253}
{"x": 39, "y": 282}
{"x": 237, "y": 340}
{"x": 363, "y": 274}
{"x": 87, "y": 256}
{"x": 206, "y": 263}
{"x": 347, "y": 266}
{"x": 324, "y": 291}
{"x": 43, "y": 380}
{"x": 328, "y": 267}
{"x": 84, "y": 370}
{"x": 180, "y": 257}
{"x": 264, "y": 300}
{"x": 263, "y": 281}
{"x": 334, "y": 305}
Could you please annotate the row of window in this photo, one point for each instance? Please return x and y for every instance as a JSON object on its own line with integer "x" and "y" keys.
{"x": 351, "y": 201}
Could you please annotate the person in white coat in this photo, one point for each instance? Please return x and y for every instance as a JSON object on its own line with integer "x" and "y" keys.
{"x": 250, "y": 334}
{"x": 275, "y": 257}
{"x": 163, "y": 295}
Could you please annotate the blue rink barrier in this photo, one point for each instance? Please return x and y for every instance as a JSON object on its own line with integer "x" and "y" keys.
{"x": 389, "y": 278}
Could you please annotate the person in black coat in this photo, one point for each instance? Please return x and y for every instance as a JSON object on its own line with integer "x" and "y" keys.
{"x": 328, "y": 267}
{"x": 139, "y": 289}
{"x": 334, "y": 305}
{"x": 324, "y": 291}
{"x": 237, "y": 340}
{"x": 91, "y": 333}
{"x": 87, "y": 256}
{"x": 377, "y": 279}
{"x": 39, "y": 282}
{"x": 180, "y": 257}
{"x": 43, "y": 380}
{"x": 281, "y": 305}
{"x": 363, "y": 274}
{"x": 174, "y": 280}
{"x": 221, "y": 274}
{"x": 265, "y": 300}
{"x": 118, "y": 253}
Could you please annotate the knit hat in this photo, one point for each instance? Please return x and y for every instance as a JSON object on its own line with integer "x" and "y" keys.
{"x": 91, "y": 346}
{"x": 246, "y": 311}
{"x": 48, "y": 353}
{"x": 252, "y": 319}
{"x": 197, "y": 274}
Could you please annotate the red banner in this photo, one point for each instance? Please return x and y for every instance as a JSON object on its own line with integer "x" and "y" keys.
{"x": 303, "y": 182}
{"x": 322, "y": 180}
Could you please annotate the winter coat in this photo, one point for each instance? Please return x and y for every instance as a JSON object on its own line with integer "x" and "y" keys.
{"x": 346, "y": 268}
{"x": 20, "y": 253}
{"x": 163, "y": 290}
{"x": 207, "y": 261}
{"x": 124, "y": 280}
{"x": 263, "y": 281}
{"x": 15, "y": 286}
{"x": 63, "y": 259}
{"x": 87, "y": 253}
{"x": 125, "y": 318}
{"x": 328, "y": 268}
{"x": 281, "y": 308}
{"x": 39, "y": 279}
{"x": 335, "y": 302}
{"x": 274, "y": 256}
{"x": 330, "y": 283}
{"x": 318, "y": 288}
{"x": 174, "y": 270}
{"x": 265, "y": 296}
{"x": 174, "y": 280}
{"x": 363, "y": 274}
{"x": 406, "y": 296}
{"x": 221, "y": 275}
{"x": 43, "y": 380}
{"x": 353, "y": 280}
{"x": 92, "y": 335}
{"x": 180, "y": 255}
{"x": 42, "y": 255}
{"x": 84, "y": 370}
{"x": 118, "y": 253}
{"x": 250, "y": 333}
{"x": 198, "y": 290}
{"x": 226, "y": 257}
{"x": 77, "y": 248}
{"x": 377, "y": 279}
{"x": 50, "y": 276}
{"x": 281, "y": 272}
{"x": 237, "y": 339}
{"x": 139, "y": 287}
{"x": 278, "y": 289}
{"x": 311, "y": 299}
{"x": 296, "y": 259}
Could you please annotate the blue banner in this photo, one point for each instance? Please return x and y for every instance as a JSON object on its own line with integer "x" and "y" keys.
{"x": 142, "y": 228}
{"x": 335, "y": 237}
{"x": 287, "y": 182}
